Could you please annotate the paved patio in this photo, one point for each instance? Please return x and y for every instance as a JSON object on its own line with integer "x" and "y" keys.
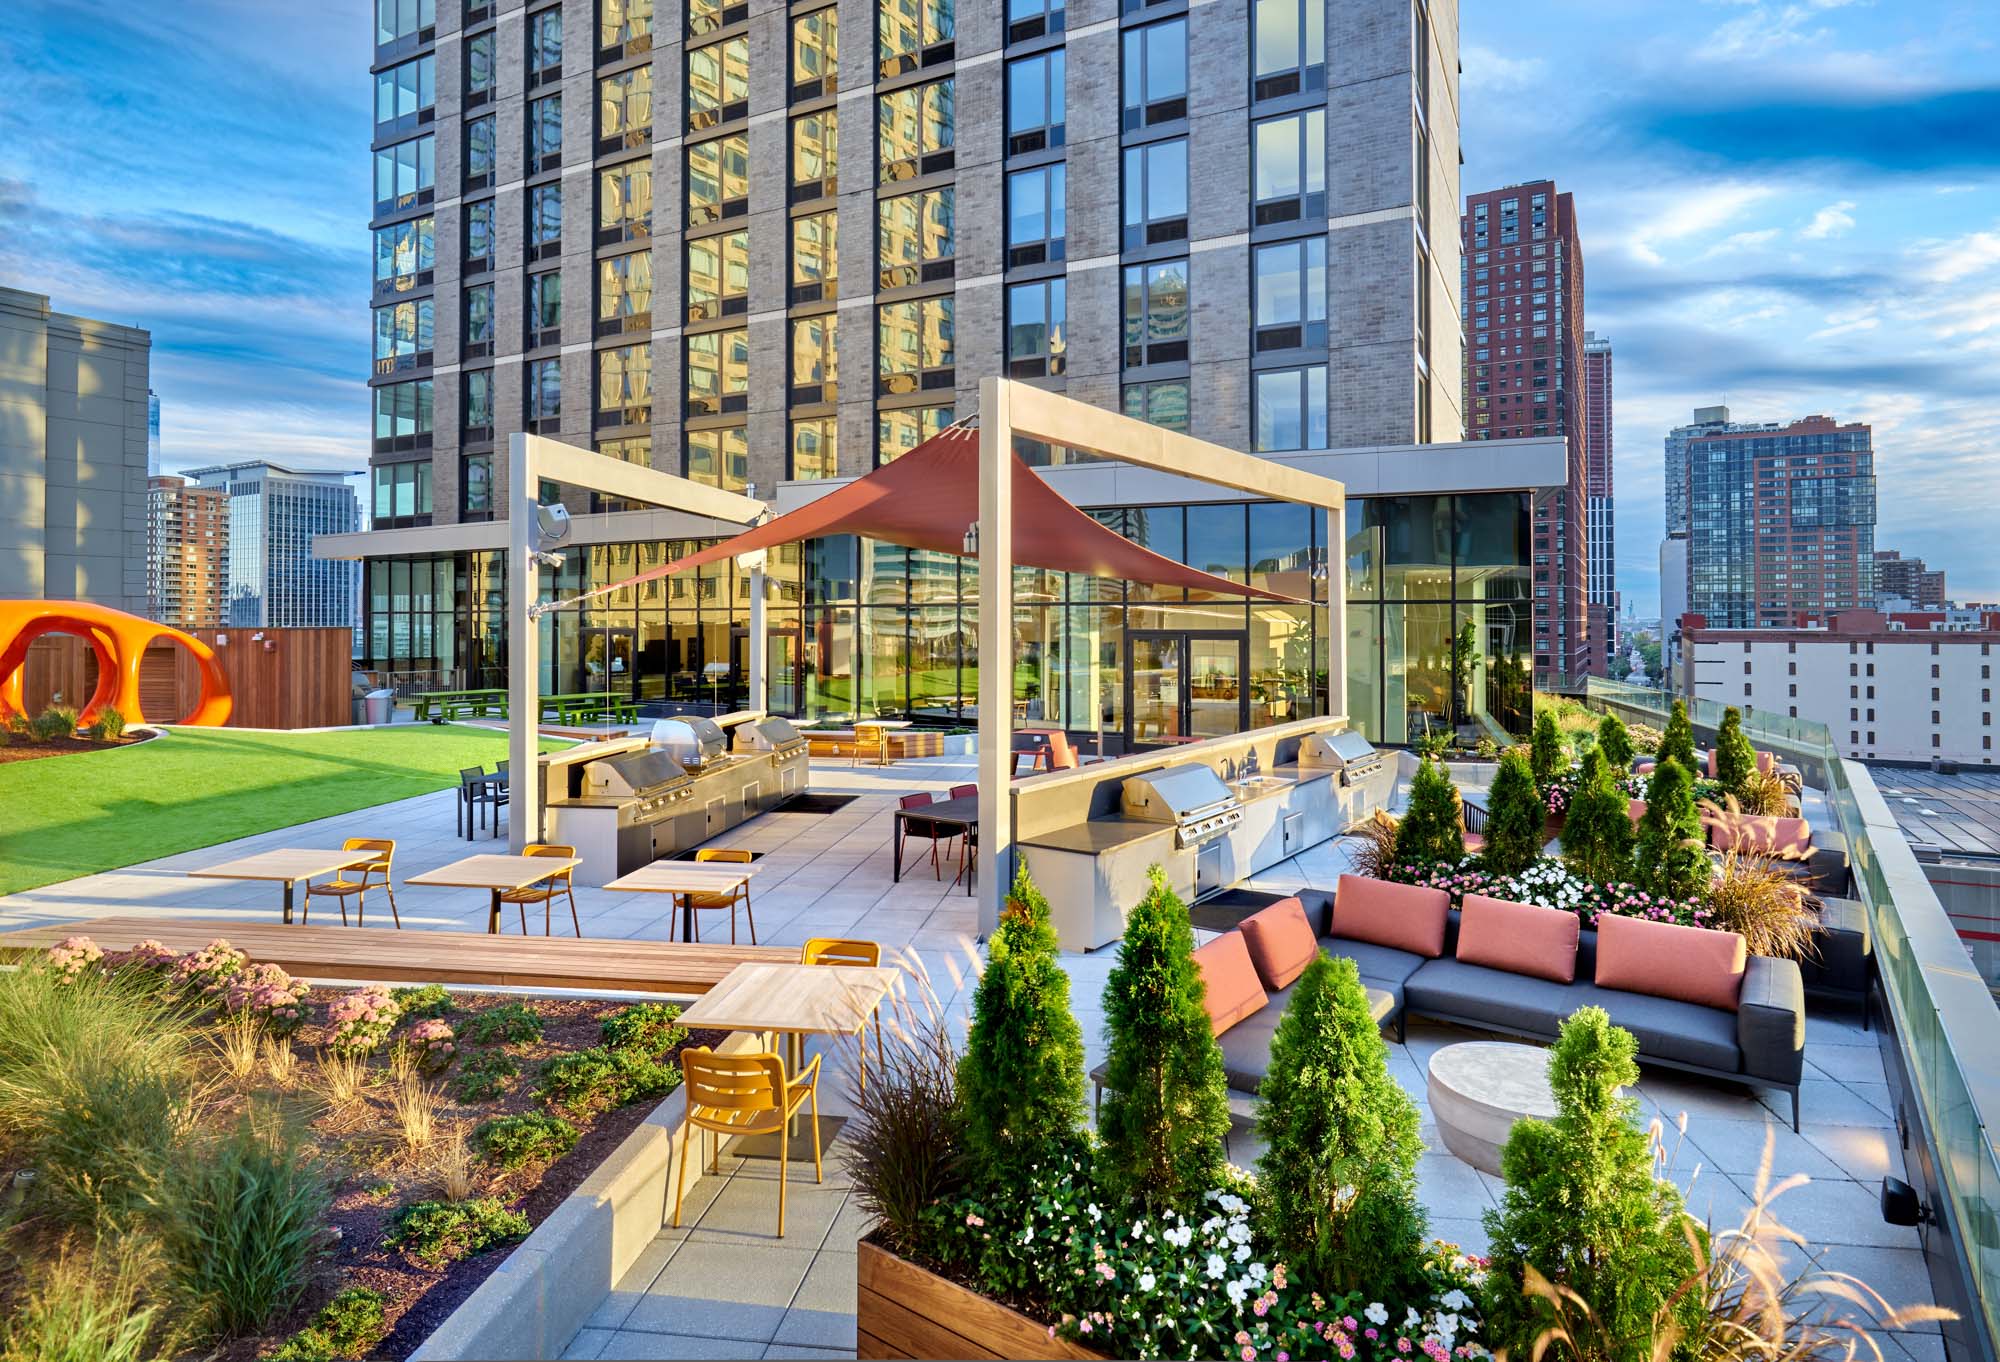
{"x": 724, "y": 1286}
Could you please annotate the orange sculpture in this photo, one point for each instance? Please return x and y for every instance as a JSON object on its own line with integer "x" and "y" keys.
{"x": 120, "y": 640}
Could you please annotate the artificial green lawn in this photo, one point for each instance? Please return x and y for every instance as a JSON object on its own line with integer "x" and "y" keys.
{"x": 61, "y": 817}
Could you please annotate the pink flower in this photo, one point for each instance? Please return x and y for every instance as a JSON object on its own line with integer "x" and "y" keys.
{"x": 973, "y": 1220}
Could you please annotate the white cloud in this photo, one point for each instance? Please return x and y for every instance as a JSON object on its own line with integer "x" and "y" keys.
{"x": 1945, "y": 262}
{"x": 1836, "y": 219}
{"x": 1689, "y": 212}
{"x": 1488, "y": 71}
{"x": 1741, "y": 241}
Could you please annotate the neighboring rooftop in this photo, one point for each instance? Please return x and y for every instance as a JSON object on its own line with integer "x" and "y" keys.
{"x": 1958, "y": 813}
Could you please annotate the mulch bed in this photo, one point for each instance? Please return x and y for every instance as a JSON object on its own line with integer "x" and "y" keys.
{"x": 20, "y": 747}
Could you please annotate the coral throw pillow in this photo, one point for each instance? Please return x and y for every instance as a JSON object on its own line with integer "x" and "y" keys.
{"x": 1281, "y": 942}
{"x": 1663, "y": 960}
{"x": 1407, "y": 917}
{"x": 1521, "y": 938}
{"x": 1233, "y": 991}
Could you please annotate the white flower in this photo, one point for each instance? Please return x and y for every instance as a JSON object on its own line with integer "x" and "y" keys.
{"x": 1146, "y": 1281}
{"x": 1178, "y": 1236}
{"x": 1378, "y": 1314}
{"x": 1216, "y": 1267}
{"x": 1242, "y": 1253}
{"x": 1236, "y": 1291}
{"x": 1095, "y": 1214}
{"x": 1454, "y": 1299}
{"x": 1211, "y": 1224}
{"x": 1258, "y": 1273}
{"x": 1412, "y": 1320}
{"x": 1231, "y": 1203}
{"x": 1239, "y": 1232}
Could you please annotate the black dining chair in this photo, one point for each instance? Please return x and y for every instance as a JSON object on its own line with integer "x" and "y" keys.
{"x": 476, "y": 789}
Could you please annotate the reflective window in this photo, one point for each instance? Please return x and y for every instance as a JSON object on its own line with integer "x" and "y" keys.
{"x": 1033, "y": 18}
{"x": 1156, "y": 313}
{"x": 396, "y": 19}
{"x": 815, "y": 358}
{"x": 544, "y": 133}
{"x": 406, "y": 174}
{"x": 405, "y": 250}
{"x": 917, "y": 238}
{"x": 625, "y": 380}
{"x": 914, "y": 345}
{"x": 625, "y": 288}
{"x": 1290, "y": 408}
{"x": 814, "y": 257}
{"x": 706, "y": 16}
{"x": 620, "y": 21}
{"x": 815, "y": 53}
{"x": 902, "y": 429}
{"x": 545, "y": 301}
{"x": 625, "y": 202}
{"x": 1290, "y": 166}
{"x": 478, "y": 315}
{"x": 1037, "y": 328}
{"x": 1037, "y": 214}
{"x": 545, "y": 39}
{"x": 718, "y": 179}
{"x": 914, "y": 131}
{"x": 479, "y": 235}
{"x": 1156, "y": 193}
{"x": 1164, "y": 403}
{"x": 912, "y": 33}
{"x": 625, "y": 107}
{"x": 814, "y": 444}
{"x": 719, "y": 458}
{"x": 480, "y": 150}
{"x": 402, "y": 92}
{"x": 718, "y": 276}
{"x": 1035, "y": 101}
{"x": 1155, "y": 74}
{"x": 405, "y": 331}
{"x": 477, "y": 385}
{"x": 718, "y": 371}
{"x": 403, "y": 410}
{"x": 544, "y": 214}
{"x": 1290, "y": 294}
{"x": 1288, "y": 45}
{"x": 815, "y": 155}
{"x": 479, "y": 65}
{"x": 544, "y": 390}
{"x": 718, "y": 83}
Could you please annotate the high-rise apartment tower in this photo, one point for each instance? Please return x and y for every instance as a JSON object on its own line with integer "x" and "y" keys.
{"x": 187, "y": 553}
{"x": 275, "y": 513}
{"x": 1600, "y": 511}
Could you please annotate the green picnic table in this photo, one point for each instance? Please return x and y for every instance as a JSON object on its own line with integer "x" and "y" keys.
{"x": 569, "y": 708}
{"x": 440, "y": 705}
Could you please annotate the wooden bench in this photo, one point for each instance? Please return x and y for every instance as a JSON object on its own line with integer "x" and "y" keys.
{"x": 427, "y": 957}
{"x": 904, "y": 742}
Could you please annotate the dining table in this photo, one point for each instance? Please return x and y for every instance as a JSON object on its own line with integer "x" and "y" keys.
{"x": 286, "y": 865}
{"x": 683, "y": 880}
{"x": 957, "y": 817}
{"x": 496, "y": 874}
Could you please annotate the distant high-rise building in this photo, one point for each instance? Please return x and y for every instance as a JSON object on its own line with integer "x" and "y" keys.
{"x": 72, "y": 456}
{"x": 152, "y": 435}
{"x": 1523, "y": 289}
{"x": 1673, "y": 598}
{"x": 1707, "y": 421}
{"x": 1599, "y": 512}
{"x": 274, "y": 515}
{"x": 1908, "y": 579}
{"x": 1782, "y": 523}
{"x": 187, "y": 553}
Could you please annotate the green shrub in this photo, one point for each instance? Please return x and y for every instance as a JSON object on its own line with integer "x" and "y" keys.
{"x": 650, "y": 1028}
{"x": 423, "y": 1004}
{"x": 1433, "y": 827}
{"x": 438, "y": 1232}
{"x": 1338, "y": 1179}
{"x": 57, "y": 721}
{"x": 513, "y": 1141}
{"x": 241, "y": 1221}
{"x": 1670, "y": 859}
{"x": 1166, "y": 1107}
{"x": 507, "y": 1024}
{"x": 1615, "y": 742}
{"x": 1584, "y": 1209}
{"x": 1550, "y": 755}
{"x": 1677, "y": 740}
{"x": 1597, "y": 833}
{"x": 1735, "y": 758}
{"x": 347, "y": 1327}
{"x": 82, "y": 1309}
{"x": 485, "y": 1076}
{"x": 1021, "y": 1077}
{"x": 597, "y": 1079}
{"x": 1515, "y": 818}
{"x": 108, "y": 725}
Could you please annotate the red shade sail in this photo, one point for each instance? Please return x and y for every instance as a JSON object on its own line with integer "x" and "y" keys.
{"x": 929, "y": 497}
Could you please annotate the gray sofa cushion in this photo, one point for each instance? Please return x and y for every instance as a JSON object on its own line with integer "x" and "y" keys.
{"x": 1666, "y": 1028}
{"x": 1246, "y": 1047}
{"x": 1380, "y": 966}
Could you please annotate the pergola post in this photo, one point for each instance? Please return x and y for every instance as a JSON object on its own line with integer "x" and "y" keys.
{"x": 524, "y": 586}
{"x": 760, "y": 638}
{"x": 995, "y": 528}
{"x": 1336, "y": 610}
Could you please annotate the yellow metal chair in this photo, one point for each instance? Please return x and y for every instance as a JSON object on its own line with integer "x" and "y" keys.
{"x": 745, "y": 1095}
{"x": 723, "y": 856}
{"x": 544, "y": 892}
{"x": 339, "y": 887}
{"x": 835, "y": 950}
{"x": 871, "y": 740}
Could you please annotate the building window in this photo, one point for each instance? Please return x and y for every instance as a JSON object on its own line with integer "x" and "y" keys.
{"x": 912, "y": 34}
{"x": 914, "y": 131}
{"x": 1037, "y": 215}
{"x": 718, "y": 372}
{"x": 476, "y": 486}
{"x": 544, "y": 134}
{"x": 625, "y": 386}
{"x": 706, "y": 16}
{"x": 403, "y": 416}
{"x": 404, "y": 335}
{"x": 621, "y": 24}
{"x": 1290, "y": 294}
{"x": 916, "y": 238}
{"x": 625, "y": 203}
{"x": 544, "y": 394}
{"x": 401, "y": 493}
{"x": 1289, "y": 46}
{"x": 1163, "y": 404}
{"x": 1033, "y": 19}
{"x": 718, "y": 276}
{"x": 1156, "y": 77}
{"x": 1037, "y": 324}
{"x": 1156, "y": 193}
{"x": 1156, "y": 314}
{"x": 718, "y": 84}
{"x": 815, "y": 53}
{"x": 480, "y": 152}
{"x": 479, "y": 236}
{"x": 718, "y": 180}
{"x": 545, "y": 308}
{"x": 406, "y": 254}
{"x": 625, "y": 111}
{"x": 477, "y": 421}
{"x": 815, "y": 358}
{"x": 1291, "y": 408}
{"x": 815, "y": 156}
{"x": 398, "y": 20}
{"x": 544, "y": 46}
{"x": 1290, "y": 157}
{"x": 477, "y": 339}
{"x": 719, "y": 458}
{"x": 901, "y": 429}
{"x": 1035, "y": 118}
{"x": 625, "y": 293}
{"x": 545, "y": 217}
{"x": 405, "y": 96}
{"x": 914, "y": 346}
{"x": 814, "y": 442}
{"x": 814, "y": 257}
{"x": 406, "y": 175}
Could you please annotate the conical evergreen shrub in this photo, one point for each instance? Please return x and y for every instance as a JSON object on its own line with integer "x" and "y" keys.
{"x": 1670, "y": 858}
{"x": 1615, "y": 742}
{"x": 1677, "y": 741}
{"x": 1735, "y": 758}
{"x": 1338, "y": 1178}
{"x": 1597, "y": 834}
{"x": 1166, "y": 1105}
{"x": 1433, "y": 827}
{"x": 1515, "y": 818}
{"x": 1584, "y": 1208}
{"x": 1021, "y": 1076}
{"x": 1550, "y": 755}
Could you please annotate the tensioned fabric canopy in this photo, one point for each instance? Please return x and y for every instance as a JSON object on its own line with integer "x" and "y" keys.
{"x": 930, "y": 496}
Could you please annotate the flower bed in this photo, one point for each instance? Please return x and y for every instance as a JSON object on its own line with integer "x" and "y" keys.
{"x": 1558, "y": 793}
{"x": 1550, "y": 884}
{"x": 424, "y": 1120}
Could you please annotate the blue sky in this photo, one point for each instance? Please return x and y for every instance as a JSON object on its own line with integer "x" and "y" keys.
{"x": 1786, "y": 207}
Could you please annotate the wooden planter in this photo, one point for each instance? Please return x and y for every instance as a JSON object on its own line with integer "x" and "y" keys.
{"x": 902, "y": 1310}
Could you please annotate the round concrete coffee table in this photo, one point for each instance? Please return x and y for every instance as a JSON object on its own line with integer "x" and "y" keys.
{"x": 1478, "y": 1089}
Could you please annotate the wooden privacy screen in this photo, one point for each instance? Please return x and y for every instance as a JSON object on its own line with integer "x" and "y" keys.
{"x": 303, "y": 681}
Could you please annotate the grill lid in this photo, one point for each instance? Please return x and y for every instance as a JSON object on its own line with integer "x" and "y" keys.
{"x": 636, "y": 773}
{"x": 1175, "y": 794}
{"x": 690, "y": 739}
{"x": 769, "y": 735}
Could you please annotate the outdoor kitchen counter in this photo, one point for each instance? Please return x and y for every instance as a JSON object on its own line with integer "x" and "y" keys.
{"x": 1100, "y": 835}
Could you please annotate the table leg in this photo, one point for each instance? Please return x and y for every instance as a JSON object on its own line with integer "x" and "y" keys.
{"x": 288, "y": 902}
{"x": 896, "y": 875}
{"x": 493, "y": 914}
{"x": 687, "y": 918}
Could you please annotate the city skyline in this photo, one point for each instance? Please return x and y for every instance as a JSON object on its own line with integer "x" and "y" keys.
{"x": 1839, "y": 270}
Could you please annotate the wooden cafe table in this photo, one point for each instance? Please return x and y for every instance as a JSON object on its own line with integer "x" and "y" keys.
{"x": 683, "y": 880}
{"x": 496, "y": 874}
{"x": 288, "y": 866}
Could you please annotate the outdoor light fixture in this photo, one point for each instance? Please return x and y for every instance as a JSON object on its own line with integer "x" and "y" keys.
{"x": 552, "y": 523}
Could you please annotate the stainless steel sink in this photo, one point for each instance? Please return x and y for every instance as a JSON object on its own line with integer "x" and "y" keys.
{"x": 1256, "y": 785}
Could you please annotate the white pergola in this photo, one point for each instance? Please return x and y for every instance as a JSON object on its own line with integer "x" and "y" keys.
{"x": 1007, "y": 409}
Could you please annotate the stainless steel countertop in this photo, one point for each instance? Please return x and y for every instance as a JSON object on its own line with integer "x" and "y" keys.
{"x": 1098, "y": 836}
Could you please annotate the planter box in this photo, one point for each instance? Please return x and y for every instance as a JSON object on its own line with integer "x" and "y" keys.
{"x": 902, "y": 1310}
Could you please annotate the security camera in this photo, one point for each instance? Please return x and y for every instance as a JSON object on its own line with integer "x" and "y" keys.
{"x": 548, "y": 560}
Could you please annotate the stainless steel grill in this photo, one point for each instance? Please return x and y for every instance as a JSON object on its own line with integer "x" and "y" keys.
{"x": 690, "y": 739}
{"x": 769, "y": 735}
{"x": 1352, "y": 755}
{"x": 1192, "y": 798}
{"x": 650, "y": 784}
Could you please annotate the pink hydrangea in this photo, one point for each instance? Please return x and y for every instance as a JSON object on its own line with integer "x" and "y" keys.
{"x": 148, "y": 955}
{"x": 268, "y": 994}
{"x": 205, "y": 970}
{"x": 71, "y": 956}
{"x": 360, "y": 1021}
{"x": 433, "y": 1042}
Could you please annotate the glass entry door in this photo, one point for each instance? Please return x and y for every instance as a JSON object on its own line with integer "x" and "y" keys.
{"x": 1183, "y": 686}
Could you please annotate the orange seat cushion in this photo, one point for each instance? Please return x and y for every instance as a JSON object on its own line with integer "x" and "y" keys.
{"x": 1233, "y": 989}
{"x": 1520, "y": 938}
{"x": 1766, "y": 763}
{"x": 1635, "y": 810}
{"x": 1407, "y": 917}
{"x": 1281, "y": 942}
{"x": 1664, "y": 960}
{"x": 1474, "y": 842}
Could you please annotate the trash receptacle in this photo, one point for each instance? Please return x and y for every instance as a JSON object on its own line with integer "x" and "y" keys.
{"x": 381, "y": 706}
